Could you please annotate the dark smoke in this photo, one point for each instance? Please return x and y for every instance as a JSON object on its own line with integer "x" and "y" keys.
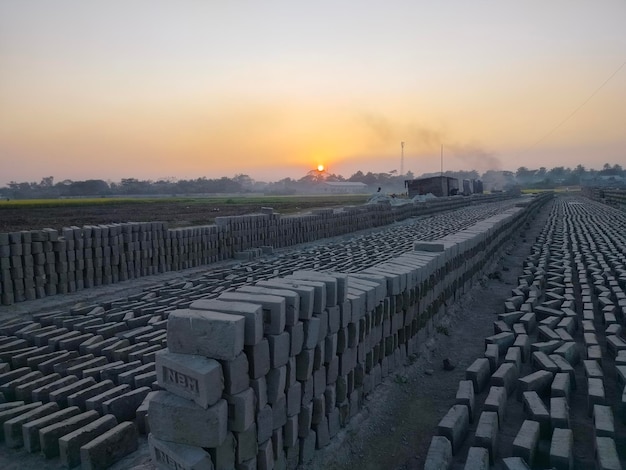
{"x": 427, "y": 141}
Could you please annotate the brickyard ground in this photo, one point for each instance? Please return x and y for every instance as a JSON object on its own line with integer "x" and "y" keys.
{"x": 399, "y": 418}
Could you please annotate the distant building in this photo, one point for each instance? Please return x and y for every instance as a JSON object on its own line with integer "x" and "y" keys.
{"x": 344, "y": 187}
{"x": 439, "y": 186}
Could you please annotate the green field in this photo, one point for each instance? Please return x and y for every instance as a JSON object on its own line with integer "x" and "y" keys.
{"x": 339, "y": 199}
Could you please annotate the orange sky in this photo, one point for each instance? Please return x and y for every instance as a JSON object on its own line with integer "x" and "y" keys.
{"x": 190, "y": 89}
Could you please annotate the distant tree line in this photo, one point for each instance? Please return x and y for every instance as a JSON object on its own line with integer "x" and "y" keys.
{"x": 541, "y": 178}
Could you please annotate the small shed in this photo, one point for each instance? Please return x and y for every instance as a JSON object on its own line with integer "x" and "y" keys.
{"x": 439, "y": 186}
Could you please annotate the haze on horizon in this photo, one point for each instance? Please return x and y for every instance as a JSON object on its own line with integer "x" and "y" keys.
{"x": 156, "y": 89}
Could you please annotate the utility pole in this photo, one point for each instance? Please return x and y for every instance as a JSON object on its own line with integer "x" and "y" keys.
{"x": 441, "y": 159}
{"x": 401, "y": 158}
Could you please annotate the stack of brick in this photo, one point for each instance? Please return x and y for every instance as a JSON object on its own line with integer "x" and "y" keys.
{"x": 263, "y": 375}
{"x": 39, "y": 263}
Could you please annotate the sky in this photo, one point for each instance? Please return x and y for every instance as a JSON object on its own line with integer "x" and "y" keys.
{"x": 155, "y": 89}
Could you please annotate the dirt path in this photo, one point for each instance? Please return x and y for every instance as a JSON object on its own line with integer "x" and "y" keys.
{"x": 400, "y": 417}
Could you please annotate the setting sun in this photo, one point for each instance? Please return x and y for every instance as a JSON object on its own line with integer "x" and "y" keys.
{"x": 320, "y": 167}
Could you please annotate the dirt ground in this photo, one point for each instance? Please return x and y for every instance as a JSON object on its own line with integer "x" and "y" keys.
{"x": 177, "y": 213}
{"x": 399, "y": 418}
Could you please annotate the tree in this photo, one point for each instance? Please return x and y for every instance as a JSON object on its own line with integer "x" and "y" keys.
{"x": 47, "y": 182}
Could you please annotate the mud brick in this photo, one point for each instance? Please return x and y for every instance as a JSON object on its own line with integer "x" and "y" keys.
{"x": 34, "y": 334}
{"x": 95, "y": 339}
{"x": 439, "y": 454}
{"x": 264, "y": 424}
{"x": 595, "y": 394}
{"x": 80, "y": 368}
{"x": 24, "y": 391}
{"x": 539, "y": 382}
{"x": 59, "y": 319}
{"x": 124, "y": 406}
{"x": 145, "y": 355}
{"x": 117, "y": 316}
{"x": 129, "y": 376}
{"x": 10, "y": 328}
{"x": 496, "y": 401}
{"x": 62, "y": 367}
{"x": 486, "y": 434}
{"x": 147, "y": 379}
{"x": 21, "y": 360}
{"x": 55, "y": 341}
{"x": 141, "y": 412}
{"x": 193, "y": 377}
{"x": 40, "y": 336}
{"x": 95, "y": 402}
{"x": 60, "y": 395}
{"x": 292, "y": 301}
{"x": 30, "y": 430}
{"x": 111, "y": 373}
{"x": 110, "y": 350}
{"x": 279, "y": 412}
{"x": 526, "y": 441}
{"x": 121, "y": 354}
{"x": 296, "y": 336}
{"x": 49, "y": 436}
{"x": 478, "y": 372}
{"x": 140, "y": 321}
{"x": 188, "y": 330}
{"x": 306, "y": 293}
{"x": 561, "y": 386}
{"x": 14, "y": 374}
{"x": 93, "y": 323}
{"x": 131, "y": 335}
{"x": 603, "y": 421}
{"x": 95, "y": 372}
{"x": 7, "y": 350}
{"x": 97, "y": 347}
{"x": 541, "y": 361}
{"x": 171, "y": 455}
{"x": 43, "y": 393}
{"x": 279, "y": 349}
{"x": 47, "y": 366}
{"x": 159, "y": 340}
{"x": 465, "y": 396}
{"x": 25, "y": 330}
{"x": 454, "y": 425}
{"x": 537, "y": 411}
{"x": 242, "y": 408}
{"x": 253, "y": 314}
{"x": 7, "y": 356}
{"x": 79, "y": 398}
{"x": 13, "y": 427}
{"x": 111, "y": 329}
{"x": 147, "y": 337}
{"x": 179, "y": 420}
{"x": 110, "y": 447}
{"x": 8, "y": 389}
{"x": 47, "y": 318}
{"x": 312, "y": 330}
{"x": 562, "y": 449}
{"x": 12, "y": 409}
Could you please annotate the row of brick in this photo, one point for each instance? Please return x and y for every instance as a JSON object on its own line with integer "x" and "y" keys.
{"x": 39, "y": 263}
{"x": 569, "y": 300}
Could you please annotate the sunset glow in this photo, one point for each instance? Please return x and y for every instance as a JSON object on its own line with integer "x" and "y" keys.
{"x": 320, "y": 168}
{"x": 189, "y": 89}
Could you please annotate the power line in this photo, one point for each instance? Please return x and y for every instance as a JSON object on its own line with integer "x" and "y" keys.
{"x": 545, "y": 136}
